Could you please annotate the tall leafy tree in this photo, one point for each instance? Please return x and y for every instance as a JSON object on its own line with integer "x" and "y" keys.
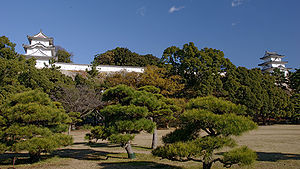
{"x": 295, "y": 81}
{"x": 219, "y": 120}
{"x": 10, "y": 72}
{"x": 131, "y": 79}
{"x": 78, "y": 101}
{"x": 124, "y": 57}
{"x": 31, "y": 121}
{"x": 48, "y": 80}
{"x": 264, "y": 99}
{"x": 63, "y": 55}
{"x": 12, "y": 64}
{"x": 201, "y": 69}
{"x": 7, "y": 49}
{"x": 280, "y": 78}
{"x": 169, "y": 85}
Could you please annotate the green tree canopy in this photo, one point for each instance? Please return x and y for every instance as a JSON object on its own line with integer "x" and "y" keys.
{"x": 259, "y": 92}
{"x": 169, "y": 85}
{"x": 7, "y": 49}
{"x": 31, "y": 121}
{"x": 122, "y": 119}
{"x": 201, "y": 69}
{"x": 161, "y": 109}
{"x": 124, "y": 57}
{"x": 295, "y": 81}
{"x": 219, "y": 123}
{"x": 63, "y": 55}
{"x": 206, "y": 72}
{"x": 131, "y": 111}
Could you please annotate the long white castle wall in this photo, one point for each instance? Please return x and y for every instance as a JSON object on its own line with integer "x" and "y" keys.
{"x": 83, "y": 67}
{"x": 41, "y": 63}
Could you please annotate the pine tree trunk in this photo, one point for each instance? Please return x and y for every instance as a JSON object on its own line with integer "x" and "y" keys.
{"x": 264, "y": 120}
{"x": 207, "y": 165}
{"x": 34, "y": 157}
{"x": 129, "y": 151}
{"x": 69, "y": 130}
{"x": 154, "y": 138}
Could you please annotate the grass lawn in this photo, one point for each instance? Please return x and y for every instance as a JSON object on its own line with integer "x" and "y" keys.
{"x": 277, "y": 147}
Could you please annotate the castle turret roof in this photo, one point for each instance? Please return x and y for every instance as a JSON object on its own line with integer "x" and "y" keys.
{"x": 272, "y": 62}
{"x": 271, "y": 55}
{"x": 40, "y": 36}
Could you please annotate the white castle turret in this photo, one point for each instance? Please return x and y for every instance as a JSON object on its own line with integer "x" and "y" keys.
{"x": 272, "y": 60}
{"x": 41, "y": 48}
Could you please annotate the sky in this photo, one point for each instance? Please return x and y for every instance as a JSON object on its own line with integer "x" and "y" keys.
{"x": 242, "y": 29}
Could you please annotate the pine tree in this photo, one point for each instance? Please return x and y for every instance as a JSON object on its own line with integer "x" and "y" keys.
{"x": 219, "y": 120}
{"x": 31, "y": 121}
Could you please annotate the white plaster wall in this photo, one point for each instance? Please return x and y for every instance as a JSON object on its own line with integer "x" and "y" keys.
{"x": 105, "y": 68}
{"x": 277, "y": 65}
{"x": 83, "y": 67}
{"x": 46, "y": 43}
{"x": 101, "y": 68}
{"x": 76, "y": 67}
{"x": 35, "y": 52}
{"x": 275, "y": 59}
{"x": 41, "y": 63}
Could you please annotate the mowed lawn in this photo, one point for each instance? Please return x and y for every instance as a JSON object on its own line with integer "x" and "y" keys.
{"x": 277, "y": 147}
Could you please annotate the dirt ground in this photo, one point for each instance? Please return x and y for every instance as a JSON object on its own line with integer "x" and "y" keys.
{"x": 277, "y": 146}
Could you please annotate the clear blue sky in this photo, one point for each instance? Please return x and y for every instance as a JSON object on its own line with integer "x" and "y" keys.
{"x": 243, "y": 29}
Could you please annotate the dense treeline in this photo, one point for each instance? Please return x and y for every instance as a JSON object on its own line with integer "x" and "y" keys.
{"x": 207, "y": 72}
{"x": 189, "y": 72}
{"x": 187, "y": 88}
{"x": 124, "y": 57}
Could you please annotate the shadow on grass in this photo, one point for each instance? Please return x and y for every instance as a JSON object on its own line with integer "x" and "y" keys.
{"x": 79, "y": 143}
{"x": 141, "y": 147}
{"x": 20, "y": 158}
{"x": 84, "y": 154}
{"x": 275, "y": 156}
{"x": 135, "y": 165}
{"x": 102, "y": 145}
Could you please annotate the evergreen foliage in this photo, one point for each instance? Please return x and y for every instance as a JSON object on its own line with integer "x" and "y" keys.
{"x": 169, "y": 85}
{"x": 295, "y": 81}
{"x": 206, "y": 72}
{"x": 131, "y": 111}
{"x": 219, "y": 124}
{"x": 201, "y": 69}
{"x": 31, "y": 121}
{"x": 121, "y": 118}
{"x": 63, "y": 55}
{"x": 124, "y": 57}
{"x": 7, "y": 49}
